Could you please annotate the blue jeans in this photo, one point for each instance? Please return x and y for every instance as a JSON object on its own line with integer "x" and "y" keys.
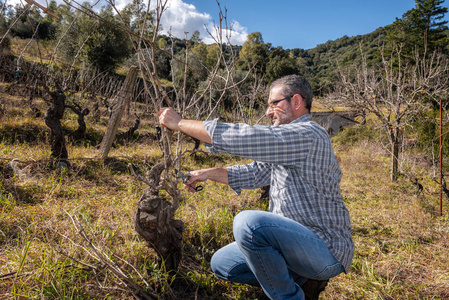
{"x": 276, "y": 253}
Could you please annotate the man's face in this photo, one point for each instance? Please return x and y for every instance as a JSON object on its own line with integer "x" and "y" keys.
{"x": 282, "y": 112}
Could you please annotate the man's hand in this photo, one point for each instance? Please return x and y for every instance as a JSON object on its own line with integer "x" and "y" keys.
{"x": 214, "y": 174}
{"x": 169, "y": 118}
{"x": 195, "y": 178}
{"x": 172, "y": 120}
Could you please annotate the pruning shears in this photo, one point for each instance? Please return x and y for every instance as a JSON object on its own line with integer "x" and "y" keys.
{"x": 185, "y": 177}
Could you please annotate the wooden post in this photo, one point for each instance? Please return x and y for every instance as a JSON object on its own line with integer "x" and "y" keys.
{"x": 114, "y": 120}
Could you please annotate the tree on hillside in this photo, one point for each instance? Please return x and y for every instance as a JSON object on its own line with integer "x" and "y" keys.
{"x": 422, "y": 27}
{"x": 26, "y": 22}
{"x": 280, "y": 64}
{"x": 254, "y": 53}
{"x": 394, "y": 92}
{"x": 134, "y": 16}
{"x": 108, "y": 46}
{"x": 195, "y": 38}
{"x": 3, "y": 21}
{"x": 95, "y": 42}
{"x": 23, "y": 21}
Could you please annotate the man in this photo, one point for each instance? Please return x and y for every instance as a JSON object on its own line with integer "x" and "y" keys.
{"x": 306, "y": 236}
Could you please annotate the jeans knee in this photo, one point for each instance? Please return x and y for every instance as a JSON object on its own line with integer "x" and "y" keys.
{"x": 241, "y": 225}
{"x": 247, "y": 222}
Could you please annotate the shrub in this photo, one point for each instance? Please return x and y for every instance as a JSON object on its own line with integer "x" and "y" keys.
{"x": 350, "y": 136}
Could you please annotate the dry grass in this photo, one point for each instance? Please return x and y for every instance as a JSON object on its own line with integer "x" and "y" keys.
{"x": 32, "y": 50}
{"x": 401, "y": 244}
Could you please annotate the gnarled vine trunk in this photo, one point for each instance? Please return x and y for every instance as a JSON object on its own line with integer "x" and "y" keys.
{"x": 155, "y": 222}
{"x": 52, "y": 119}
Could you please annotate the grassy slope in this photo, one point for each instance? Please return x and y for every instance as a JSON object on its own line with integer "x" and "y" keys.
{"x": 401, "y": 245}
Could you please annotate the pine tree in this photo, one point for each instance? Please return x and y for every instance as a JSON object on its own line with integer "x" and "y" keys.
{"x": 421, "y": 28}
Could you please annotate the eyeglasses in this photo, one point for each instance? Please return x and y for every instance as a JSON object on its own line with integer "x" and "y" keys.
{"x": 274, "y": 103}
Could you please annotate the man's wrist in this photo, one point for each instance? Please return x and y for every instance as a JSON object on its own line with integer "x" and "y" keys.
{"x": 180, "y": 125}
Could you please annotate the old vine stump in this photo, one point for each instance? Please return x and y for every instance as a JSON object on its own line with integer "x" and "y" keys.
{"x": 52, "y": 119}
{"x": 156, "y": 224}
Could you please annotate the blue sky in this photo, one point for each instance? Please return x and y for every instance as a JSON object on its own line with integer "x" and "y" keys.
{"x": 307, "y": 23}
{"x": 289, "y": 24}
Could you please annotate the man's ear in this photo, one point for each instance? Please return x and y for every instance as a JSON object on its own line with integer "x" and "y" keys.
{"x": 297, "y": 101}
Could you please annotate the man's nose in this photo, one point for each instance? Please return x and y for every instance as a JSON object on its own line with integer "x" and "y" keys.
{"x": 269, "y": 112}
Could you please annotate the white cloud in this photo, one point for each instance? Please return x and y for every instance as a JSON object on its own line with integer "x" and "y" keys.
{"x": 179, "y": 17}
{"x": 239, "y": 33}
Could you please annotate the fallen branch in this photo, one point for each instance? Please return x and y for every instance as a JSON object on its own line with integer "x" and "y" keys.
{"x": 14, "y": 275}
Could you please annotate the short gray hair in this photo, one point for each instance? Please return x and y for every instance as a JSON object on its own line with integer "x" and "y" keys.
{"x": 295, "y": 84}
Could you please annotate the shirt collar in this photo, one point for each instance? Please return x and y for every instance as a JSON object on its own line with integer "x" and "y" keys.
{"x": 303, "y": 118}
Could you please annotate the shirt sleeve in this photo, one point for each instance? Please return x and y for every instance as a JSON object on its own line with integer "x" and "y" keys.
{"x": 249, "y": 176}
{"x": 285, "y": 144}
{"x": 210, "y": 128}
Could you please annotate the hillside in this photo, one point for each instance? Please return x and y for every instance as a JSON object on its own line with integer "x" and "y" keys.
{"x": 322, "y": 60}
{"x": 320, "y": 63}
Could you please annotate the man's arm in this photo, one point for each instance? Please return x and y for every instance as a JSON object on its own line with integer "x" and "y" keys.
{"x": 172, "y": 120}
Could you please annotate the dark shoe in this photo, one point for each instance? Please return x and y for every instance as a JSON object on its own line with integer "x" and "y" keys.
{"x": 313, "y": 288}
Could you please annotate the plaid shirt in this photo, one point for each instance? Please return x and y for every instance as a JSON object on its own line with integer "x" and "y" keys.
{"x": 298, "y": 162}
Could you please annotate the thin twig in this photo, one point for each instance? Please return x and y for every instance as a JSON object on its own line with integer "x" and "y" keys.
{"x": 133, "y": 288}
{"x": 141, "y": 178}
